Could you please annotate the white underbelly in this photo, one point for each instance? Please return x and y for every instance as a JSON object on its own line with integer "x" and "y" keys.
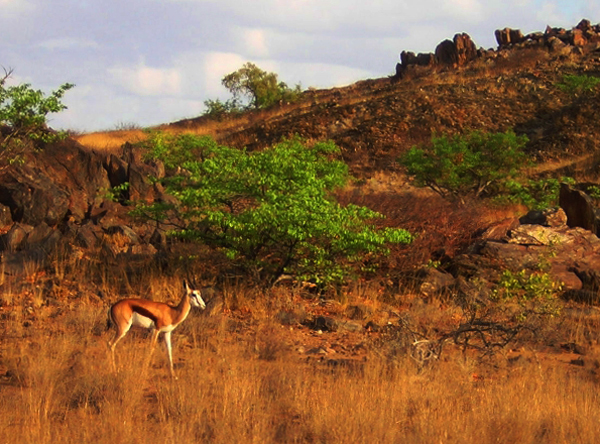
{"x": 168, "y": 328}
{"x": 141, "y": 321}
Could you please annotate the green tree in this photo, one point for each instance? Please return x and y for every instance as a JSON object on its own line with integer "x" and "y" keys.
{"x": 475, "y": 163}
{"x": 23, "y": 112}
{"x": 262, "y": 89}
{"x": 272, "y": 210}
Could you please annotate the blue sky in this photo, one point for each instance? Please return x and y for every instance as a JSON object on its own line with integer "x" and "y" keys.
{"x": 147, "y": 62}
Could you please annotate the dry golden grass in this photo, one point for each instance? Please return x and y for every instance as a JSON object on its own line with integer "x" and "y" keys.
{"x": 59, "y": 388}
{"x": 110, "y": 141}
{"x": 241, "y": 380}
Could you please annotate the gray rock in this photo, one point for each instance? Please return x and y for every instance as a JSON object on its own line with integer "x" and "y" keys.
{"x": 536, "y": 235}
{"x": 15, "y": 237}
{"x": 434, "y": 281}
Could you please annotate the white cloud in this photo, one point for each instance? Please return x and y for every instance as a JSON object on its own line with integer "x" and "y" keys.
{"x": 217, "y": 65}
{"x": 16, "y": 20}
{"x": 592, "y": 8}
{"x": 111, "y": 108}
{"x": 147, "y": 81}
{"x": 320, "y": 75}
{"x": 66, "y": 43}
{"x": 549, "y": 13}
{"x": 255, "y": 41}
{"x": 15, "y": 5}
{"x": 345, "y": 16}
{"x": 471, "y": 10}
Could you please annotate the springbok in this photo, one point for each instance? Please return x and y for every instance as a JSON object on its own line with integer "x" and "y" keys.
{"x": 158, "y": 316}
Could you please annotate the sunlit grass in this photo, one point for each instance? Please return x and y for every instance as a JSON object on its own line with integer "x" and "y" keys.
{"x": 240, "y": 379}
{"x": 60, "y": 388}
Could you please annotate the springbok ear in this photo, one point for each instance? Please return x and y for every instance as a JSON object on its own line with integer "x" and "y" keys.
{"x": 186, "y": 286}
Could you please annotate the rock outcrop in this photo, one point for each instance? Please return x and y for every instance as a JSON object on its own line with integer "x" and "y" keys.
{"x": 507, "y": 36}
{"x": 461, "y": 50}
{"x": 457, "y": 52}
{"x": 561, "y": 242}
{"x": 61, "y": 181}
{"x": 58, "y": 195}
{"x": 579, "y": 208}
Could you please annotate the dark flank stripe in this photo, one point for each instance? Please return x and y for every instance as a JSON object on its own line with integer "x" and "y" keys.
{"x": 144, "y": 312}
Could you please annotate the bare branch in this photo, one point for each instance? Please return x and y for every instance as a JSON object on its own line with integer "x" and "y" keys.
{"x": 7, "y": 74}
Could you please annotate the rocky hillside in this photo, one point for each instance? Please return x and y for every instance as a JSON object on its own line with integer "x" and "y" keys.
{"x": 455, "y": 89}
{"x": 58, "y": 197}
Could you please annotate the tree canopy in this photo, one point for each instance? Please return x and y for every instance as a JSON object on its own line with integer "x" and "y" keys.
{"x": 23, "y": 112}
{"x": 472, "y": 163}
{"x": 271, "y": 210}
{"x": 252, "y": 88}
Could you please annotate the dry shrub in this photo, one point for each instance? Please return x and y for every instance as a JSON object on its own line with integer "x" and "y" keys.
{"x": 442, "y": 227}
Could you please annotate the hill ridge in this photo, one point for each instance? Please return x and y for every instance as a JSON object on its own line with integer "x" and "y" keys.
{"x": 375, "y": 120}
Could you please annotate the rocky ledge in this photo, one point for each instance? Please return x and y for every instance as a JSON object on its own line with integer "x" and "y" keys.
{"x": 461, "y": 50}
{"x": 550, "y": 241}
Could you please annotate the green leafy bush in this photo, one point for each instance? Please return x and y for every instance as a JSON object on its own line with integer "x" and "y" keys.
{"x": 577, "y": 84}
{"x": 475, "y": 163}
{"x": 271, "y": 210}
{"x": 533, "y": 292}
{"x": 23, "y": 112}
{"x": 594, "y": 192}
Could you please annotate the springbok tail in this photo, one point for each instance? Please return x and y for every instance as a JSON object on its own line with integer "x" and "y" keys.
{"x": 109, "y": 321}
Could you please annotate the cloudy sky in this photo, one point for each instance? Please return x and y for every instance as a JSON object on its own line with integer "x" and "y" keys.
{"x": 147, "y": 62}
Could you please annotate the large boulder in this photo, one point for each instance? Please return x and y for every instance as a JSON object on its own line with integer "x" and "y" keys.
{"x": 408, "y": 58}
{"x": 569, "y": 255}
{"x": 62, "y": 180}
{"x": 33, "y": 197}
{"x": 578, "y": 38}
{"x": 433, "y": 281}
{"x": 446, "y": 54}
{"x": 584, "y": 25}
{"x": 579, "y": 208}
{"x": 465, "y": 48}
{"x": 425, "y": 59}
{"x": 550, "y": 217}
{"x": 14, "y": 238}
{"x": 508, "y": 36}
{"x": 456, "y": 52}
